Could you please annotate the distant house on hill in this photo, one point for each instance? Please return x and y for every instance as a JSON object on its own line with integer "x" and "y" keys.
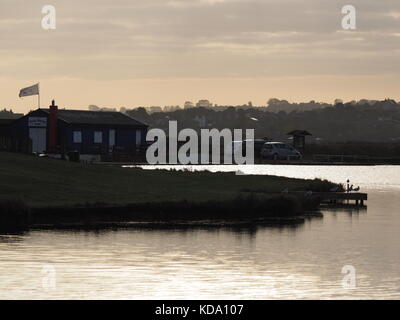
{"x": 90, "y": 133}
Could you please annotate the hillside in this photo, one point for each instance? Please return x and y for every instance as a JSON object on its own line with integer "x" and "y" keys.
{"x": 340, "y": 123}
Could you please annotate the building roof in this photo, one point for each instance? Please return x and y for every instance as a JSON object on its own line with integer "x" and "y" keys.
{"x": 96, "y": 117}
{"x": 10, "y": 116}
{"x": 299, "y": 133}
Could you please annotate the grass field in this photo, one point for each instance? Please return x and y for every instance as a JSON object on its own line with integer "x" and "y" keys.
{"x": 42, "y": 182}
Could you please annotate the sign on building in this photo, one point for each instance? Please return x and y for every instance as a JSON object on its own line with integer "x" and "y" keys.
{"x": 37, "y": 122}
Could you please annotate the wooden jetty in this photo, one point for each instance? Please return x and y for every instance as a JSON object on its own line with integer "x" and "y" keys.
{"x": 336, "y": 197}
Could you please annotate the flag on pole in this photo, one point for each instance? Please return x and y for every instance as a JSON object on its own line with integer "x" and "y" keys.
{"x": 29, "y": 91}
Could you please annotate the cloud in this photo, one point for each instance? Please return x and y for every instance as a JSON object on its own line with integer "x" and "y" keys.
{"x": 125, "y": 39}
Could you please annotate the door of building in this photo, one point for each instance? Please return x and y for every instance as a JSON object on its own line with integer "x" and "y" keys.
{"x": 38, "y": 137}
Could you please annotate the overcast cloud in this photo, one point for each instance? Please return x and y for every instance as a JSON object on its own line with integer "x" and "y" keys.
{"x": 198, "y": 39}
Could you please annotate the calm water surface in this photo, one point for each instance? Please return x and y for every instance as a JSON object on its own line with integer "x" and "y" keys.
{"x": 303, "y": 261}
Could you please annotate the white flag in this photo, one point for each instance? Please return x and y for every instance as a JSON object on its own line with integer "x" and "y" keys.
{"x": 29, "y": 91}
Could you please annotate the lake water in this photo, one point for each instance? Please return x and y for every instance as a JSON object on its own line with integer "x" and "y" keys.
{"x": 303, "y": 261}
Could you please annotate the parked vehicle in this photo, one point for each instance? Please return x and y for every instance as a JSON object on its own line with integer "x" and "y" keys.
{"x": 279, "y": 151}
{"x": 258, "y": 144}
{"x": 242, "y": 145}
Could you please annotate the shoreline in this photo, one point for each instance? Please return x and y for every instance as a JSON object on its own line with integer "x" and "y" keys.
{"x": 176, "y": 225}
{"x": 237, "y": 212}
{"x": 40, "y": 191}
{"x": 277, "y": 163}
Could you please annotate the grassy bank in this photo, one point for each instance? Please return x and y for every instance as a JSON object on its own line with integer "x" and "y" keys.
{"x": 41, "y": 182}
{"x": 55, "y": 189}
{"x": 250, "y": 207}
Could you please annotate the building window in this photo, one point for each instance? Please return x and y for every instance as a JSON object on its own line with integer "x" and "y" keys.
{"x": 138, "y": 137}
{"x": 98, "y": 137}
{"x": 111, "y": 140}
{"x": 77, "y": 136}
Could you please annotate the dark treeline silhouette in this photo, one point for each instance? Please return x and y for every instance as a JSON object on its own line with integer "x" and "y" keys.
{"x": 376, "y": 122}
{"x": 363, "y": 121}
{"x": 276, "y": 105}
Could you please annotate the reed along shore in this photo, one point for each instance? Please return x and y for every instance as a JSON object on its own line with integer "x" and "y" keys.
{"x": 39, "y": 191}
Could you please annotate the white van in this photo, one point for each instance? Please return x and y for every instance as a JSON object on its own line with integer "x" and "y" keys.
{"x": 279, "y": 151}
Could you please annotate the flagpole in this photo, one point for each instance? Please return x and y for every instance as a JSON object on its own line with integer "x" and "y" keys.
{"x": 39, "y": 95}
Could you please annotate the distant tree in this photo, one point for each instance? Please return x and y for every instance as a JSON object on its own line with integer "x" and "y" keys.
{"x": 338, "y": 101}
{"x": 140, "y": 114}
{"x": 93, "y": 107}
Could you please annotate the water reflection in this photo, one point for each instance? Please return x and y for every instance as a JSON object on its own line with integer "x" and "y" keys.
{"x": 12, "y": 238}
{"x": 302, "y": 261}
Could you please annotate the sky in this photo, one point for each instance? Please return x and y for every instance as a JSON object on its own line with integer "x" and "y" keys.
{"x": 129, "y": 53}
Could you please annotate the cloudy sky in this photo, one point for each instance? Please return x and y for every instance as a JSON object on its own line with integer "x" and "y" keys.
{"x": 163, "y": 52}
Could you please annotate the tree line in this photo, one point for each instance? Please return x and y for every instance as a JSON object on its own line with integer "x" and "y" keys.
{"x": 368, "y": 122}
